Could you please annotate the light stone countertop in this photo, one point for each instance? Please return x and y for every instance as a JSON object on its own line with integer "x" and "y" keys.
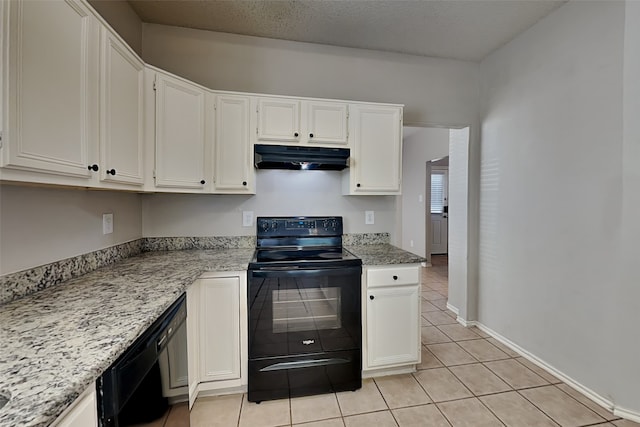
{"x": 384, "y": 254}
{"x": 56, "y": 342}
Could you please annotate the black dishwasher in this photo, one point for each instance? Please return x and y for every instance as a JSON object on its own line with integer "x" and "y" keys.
{"x": 130, "y": 390}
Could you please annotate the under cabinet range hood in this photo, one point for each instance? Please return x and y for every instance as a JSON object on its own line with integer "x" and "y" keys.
{"x": 300, "y": 158}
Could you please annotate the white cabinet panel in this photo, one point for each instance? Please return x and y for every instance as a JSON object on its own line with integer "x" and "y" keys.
{"x": 121, "y": 112}
{"x": 395, "y": 276}
{"x": 393, "y": 316}
{"x": 233, "y": 170}
{"x": 180, "y": 134}
{"x": 376, "y": 133}
{"x": 327, "y": 123}
{"x": 220, "y": 329}
{"x": 278, "y": 119}
{"x": 82, "y": 413}
{"x": 52, "y": 75}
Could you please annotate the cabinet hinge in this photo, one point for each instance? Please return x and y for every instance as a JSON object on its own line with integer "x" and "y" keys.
{"x": 0, "y": 139}
{"x": 154, "y": 174}
{"x": 154, "y": 85}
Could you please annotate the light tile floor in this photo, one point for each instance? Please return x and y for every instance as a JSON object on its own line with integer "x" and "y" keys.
{"x": 466, "y": 378}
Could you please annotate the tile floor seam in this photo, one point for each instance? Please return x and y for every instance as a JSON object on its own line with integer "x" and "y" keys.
{"x": 240, "y": 411}
{"x": 558, "y": 388}
{"x": 549, "y": 415}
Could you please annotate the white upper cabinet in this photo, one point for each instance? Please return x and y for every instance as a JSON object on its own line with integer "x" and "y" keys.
{"x": 278, "y": 120}
{"x": 121, "y": 112}
{"x": 326, "y": 123}
{"x": 181, "y": 136}
{"x": 305, "y": 122}
{"x": 233, "y": 170}
{"x": 52, "y": 87}
{"x": 375, "y": 164}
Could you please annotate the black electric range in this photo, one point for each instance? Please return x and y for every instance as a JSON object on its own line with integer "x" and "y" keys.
{"x": 304, "y": 310}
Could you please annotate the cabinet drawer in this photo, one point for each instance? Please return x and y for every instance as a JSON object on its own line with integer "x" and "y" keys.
{"x": 377, "y": 277}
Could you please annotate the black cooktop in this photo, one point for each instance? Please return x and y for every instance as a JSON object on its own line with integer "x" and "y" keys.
{"x": 301, "y": 242}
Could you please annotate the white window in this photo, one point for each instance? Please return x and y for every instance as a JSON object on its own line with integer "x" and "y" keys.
{"x": 438, "y": 192}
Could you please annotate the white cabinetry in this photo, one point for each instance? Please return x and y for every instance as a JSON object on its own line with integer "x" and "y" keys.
{"x": 375, "y": 165}
{"x": 82, "y": 413}
{"x": 301, "y": 121}
{"x": 180, "y": 134}
{"x": 121, "y": 112}
{"x": 233, "y": 170}
{"x": 52, "y": 89}
{"x": 392, "y": 317}
{"x": 278, "y": 120}
{"x": 219, "y": 325}
{"x": 326, "y": 123}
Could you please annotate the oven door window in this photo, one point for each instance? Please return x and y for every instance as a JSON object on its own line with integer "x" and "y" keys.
{"x": 301, "y": 309}
{"x": 304, "y": 311}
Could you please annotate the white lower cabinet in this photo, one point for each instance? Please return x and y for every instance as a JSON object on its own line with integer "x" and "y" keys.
{"x": 392, "y": 317}
{"x": 82, "y": 413}
{"x": 217, "y": 332}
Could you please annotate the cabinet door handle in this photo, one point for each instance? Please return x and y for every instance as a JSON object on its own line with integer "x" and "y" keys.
{"x": 93, "y": 167}
{"x": 295, "y": 134}
{"x": 310, "y": 135}
{"x": 244, "y": 183}
{"x": 395, "y": 277}
{"x": 371, "y": 297}
{"x": 203, "y": 182}
{"x": 111, "y": 172}
{"x": 358, "y": 185}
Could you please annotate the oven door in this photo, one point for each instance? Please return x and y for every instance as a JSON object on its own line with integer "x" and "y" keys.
{"x": 304, "y": 311}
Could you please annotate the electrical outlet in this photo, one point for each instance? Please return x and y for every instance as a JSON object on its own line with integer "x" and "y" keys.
{"x": 411, "y": 243}
{"x": 107, "y": 223}
{"x": 247, "y": 218}
{"x": 369, "y": 217}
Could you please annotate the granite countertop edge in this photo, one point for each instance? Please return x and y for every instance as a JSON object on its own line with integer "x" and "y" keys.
{"x": 48, "y": 362}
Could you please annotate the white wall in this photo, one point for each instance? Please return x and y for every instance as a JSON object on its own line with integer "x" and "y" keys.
{"x": 551, "y": 196}
{"x": 278, "y": 193}
{"x": 421, "y": 146}
{"x": 435, "y": 91}
{"x": 43, "y": 225}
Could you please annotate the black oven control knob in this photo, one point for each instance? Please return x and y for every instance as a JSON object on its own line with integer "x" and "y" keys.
{"x": 264, "y": 225}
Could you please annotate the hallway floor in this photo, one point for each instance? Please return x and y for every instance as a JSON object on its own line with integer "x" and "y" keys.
{"x": 466, "y": 378}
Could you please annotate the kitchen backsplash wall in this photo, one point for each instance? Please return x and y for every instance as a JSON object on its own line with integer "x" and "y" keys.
{"x": 42, "y": 225}
{"x": 278, "y": 193}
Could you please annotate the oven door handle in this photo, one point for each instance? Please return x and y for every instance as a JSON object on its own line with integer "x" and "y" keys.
{"x": 303, "y": 272}
{"x": 298, "y": 364}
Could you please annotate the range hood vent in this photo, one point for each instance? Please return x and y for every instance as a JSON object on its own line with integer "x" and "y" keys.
{"x": 300, "y": 158}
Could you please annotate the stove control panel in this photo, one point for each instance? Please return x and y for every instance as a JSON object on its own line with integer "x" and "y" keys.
{"x": 299, "y": 226}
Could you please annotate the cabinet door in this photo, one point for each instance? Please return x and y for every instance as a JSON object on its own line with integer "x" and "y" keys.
{"x": 121, "y": 119}
{"x": 393, "y": 319}
{"x": 219, "y": 329}
{"x": 278, "y": 119}
{"x": 52, "y": 87}
{"x": 180, "y": 134}
{"x": 327, "y": 123}
{"x": 377, "y": 141}
{"x": 82, "y": 413}
{"x": 233, "y": 166}
{"x": 193, "y": 339}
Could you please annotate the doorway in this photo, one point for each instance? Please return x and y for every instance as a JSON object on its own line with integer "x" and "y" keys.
{"x": 437, "y": 213}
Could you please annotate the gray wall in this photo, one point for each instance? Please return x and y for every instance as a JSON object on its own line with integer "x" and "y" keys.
{"x": 122, "y": 18}
{"x": 552, "y": 199}
{"x": 421, "y": 146}
{"x": 43, "y": 225}
{"x": 434, "y": 91}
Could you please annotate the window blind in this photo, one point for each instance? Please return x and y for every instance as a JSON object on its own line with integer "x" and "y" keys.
{"x": 437, "y": 193}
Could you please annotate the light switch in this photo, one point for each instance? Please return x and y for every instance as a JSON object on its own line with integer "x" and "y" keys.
{"x": 247, "y": 218}
{"x": 369, "y": 217}
{"x": 107, "y": 223}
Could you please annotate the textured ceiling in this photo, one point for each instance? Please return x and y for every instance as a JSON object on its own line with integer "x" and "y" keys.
{"x": 468, "y": 30}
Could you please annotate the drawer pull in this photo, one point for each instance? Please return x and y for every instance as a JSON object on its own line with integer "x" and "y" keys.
{"x": 395, "y": 277}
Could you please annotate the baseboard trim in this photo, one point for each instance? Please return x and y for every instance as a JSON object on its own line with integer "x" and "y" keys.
{"x": 452, "y": 308}
{"x": 592, "y": 395}
{"x": 627, "y": 414}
